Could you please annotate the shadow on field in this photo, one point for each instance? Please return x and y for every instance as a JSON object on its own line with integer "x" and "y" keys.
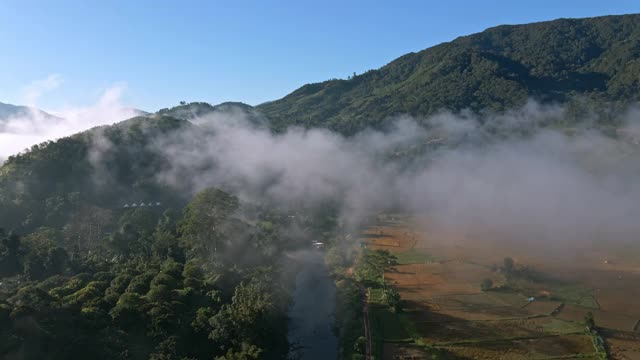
{"x": 459, "y": 338}
{"x": 395, "y": 335}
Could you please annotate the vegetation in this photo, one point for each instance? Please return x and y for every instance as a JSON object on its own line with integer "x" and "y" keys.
{"x": 515, "y": 273}
{"x": 80, "y": 184}
{"x": 527, "y": 281}
{"x": 589, "y": 322}
{"x": 190, "y": 111}
{"x": 371, "y": 265}
{"x": 348, "y": 325}
{"x": 153, "y": 289}
{"x": 566, "y": 61}
{"x": 348, "y": 318}
{"x": 413, "y": 256}
{"x": 486, "y": 284}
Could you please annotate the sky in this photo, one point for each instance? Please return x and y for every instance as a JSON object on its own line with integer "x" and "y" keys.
{"x": 66, "y": 53}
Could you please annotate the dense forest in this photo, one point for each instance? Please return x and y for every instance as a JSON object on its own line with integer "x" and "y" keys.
{"x": 200, "y": 283}
{"x": 564, "y": 61}
{"x": 98, "y": 260}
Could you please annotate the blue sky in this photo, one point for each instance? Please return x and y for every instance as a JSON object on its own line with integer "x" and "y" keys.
{"x": 162, "y": 52}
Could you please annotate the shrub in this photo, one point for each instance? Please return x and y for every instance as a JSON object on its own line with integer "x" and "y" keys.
{"x": 140, "y": 283}
{"x": 486, "y": 284}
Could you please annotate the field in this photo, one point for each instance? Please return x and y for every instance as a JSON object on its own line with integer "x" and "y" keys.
{"x": 623, "y": 345}
{"x": 445, "y": 312}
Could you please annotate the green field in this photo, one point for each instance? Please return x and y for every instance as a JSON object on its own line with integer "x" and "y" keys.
{"x": 557, "y": 326}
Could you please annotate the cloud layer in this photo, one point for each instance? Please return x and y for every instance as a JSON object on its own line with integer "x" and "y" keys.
{"x": 21, "y": 131}
{"x": 506, "y": 176}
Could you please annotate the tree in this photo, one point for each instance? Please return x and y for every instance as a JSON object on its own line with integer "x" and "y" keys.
{"x": 360, "y": 346}
{"x": 245, "y": 351}
{"x": 57, "y": 260}
{"x": 203, "y": 224}
{"x": 486, "y": 284}
{"x": 250, "y": 302}
{"x": 392, "y": 298}
{"x": 509, "y": 265}
{"x": 10, "y": 253}
{"x": 589, "y": 321}
{"x": 372, "y": 264}
{"x": 127, "y": 312}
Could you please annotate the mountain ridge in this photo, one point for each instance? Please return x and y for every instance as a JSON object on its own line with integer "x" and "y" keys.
{"x": 8, "y": 111}
{"x": 498, "y": 68}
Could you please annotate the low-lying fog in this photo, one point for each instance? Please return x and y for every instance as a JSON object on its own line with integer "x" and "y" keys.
{"x": 510, "y": 175}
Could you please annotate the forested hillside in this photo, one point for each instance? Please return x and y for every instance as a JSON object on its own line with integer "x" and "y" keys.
{"x": 99, "y": 259}
{"x": 566, "y": 60}
{"x": 163, "y": 284}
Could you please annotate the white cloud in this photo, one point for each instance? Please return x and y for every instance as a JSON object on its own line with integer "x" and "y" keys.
{"x": 23, "y": 131}
{"x": 546, "y": 187}
{"x": 32, "y": 92}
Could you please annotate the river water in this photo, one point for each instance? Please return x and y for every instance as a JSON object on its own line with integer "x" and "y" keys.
{"x": 311, "y": 316}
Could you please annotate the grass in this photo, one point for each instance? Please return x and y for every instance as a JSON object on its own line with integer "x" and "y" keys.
{"x": 557, "y": 326}
{"x": 388, "y": 326}
{"x": 568, "y": 294}
{"x": 573, "y": 356}
{"x": 575, "y": 295}
{"x": 376, "y": 296}
{"x": 492, "y": 341}
{"x": 413, "y": 256}
{"x": 507, "y": 297}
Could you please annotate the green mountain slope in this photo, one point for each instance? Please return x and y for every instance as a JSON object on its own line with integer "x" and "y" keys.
{"x": 104, "y": 262}
{"x": 107, "y": 167}
{"x": 597, "y": 58}
{"x": 205, "y": 111}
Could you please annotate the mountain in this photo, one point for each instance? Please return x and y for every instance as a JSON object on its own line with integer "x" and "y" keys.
{"x": 195, "y": 110}
{"x": 9, "y": 111}
{"x": 563, "y": 60}
{"x": 556, "y": 61}
{"x": 55, "y": 169}
{"x": 102, "y": 259}
{"x": 110, "y": 261}
{"x": 137, "y": 112}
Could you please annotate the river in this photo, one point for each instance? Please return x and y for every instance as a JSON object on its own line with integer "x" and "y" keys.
{"x": 312, "y": 312}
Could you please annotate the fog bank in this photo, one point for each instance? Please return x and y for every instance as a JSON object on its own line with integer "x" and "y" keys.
{"x": 510, "y": 175}
{"x": 24, "y": 130}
